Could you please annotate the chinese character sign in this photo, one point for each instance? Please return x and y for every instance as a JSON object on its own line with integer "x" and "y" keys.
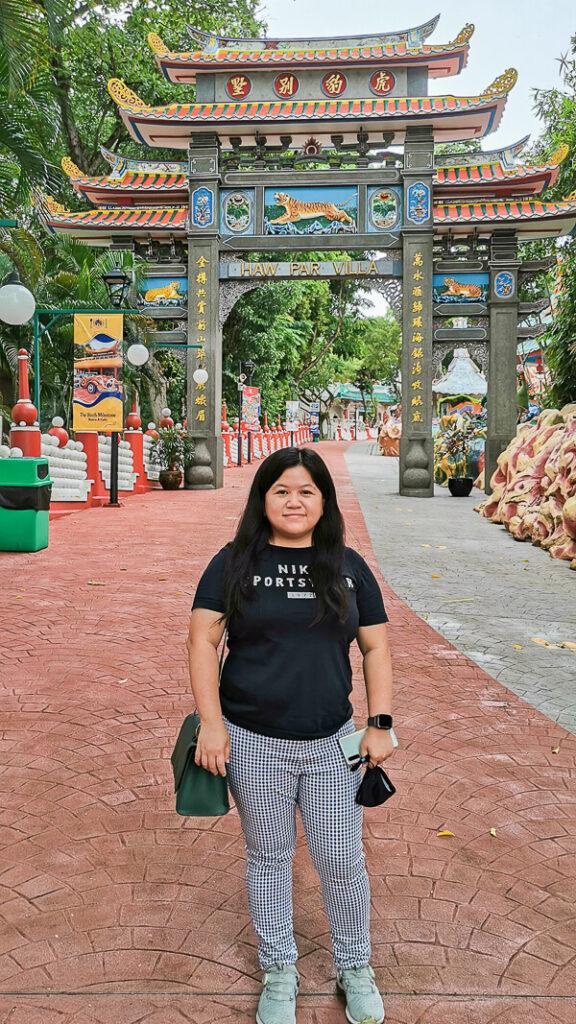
{"x": 97, "y": 394}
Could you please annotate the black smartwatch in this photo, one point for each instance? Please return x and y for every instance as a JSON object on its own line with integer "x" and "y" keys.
{"x": 381, "y": 721}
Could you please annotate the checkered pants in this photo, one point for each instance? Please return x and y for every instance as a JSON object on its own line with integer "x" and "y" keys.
{"x": 268, "y": 779}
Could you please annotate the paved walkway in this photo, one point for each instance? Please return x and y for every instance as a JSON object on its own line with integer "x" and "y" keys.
{"x": 490, "y": 595}
{"x": 115, "y": 909}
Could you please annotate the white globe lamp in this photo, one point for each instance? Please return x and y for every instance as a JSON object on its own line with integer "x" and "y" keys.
{"x": 200, "y": 376}
{"x": 137, "y": 354}
{"x": 17, "y": 304}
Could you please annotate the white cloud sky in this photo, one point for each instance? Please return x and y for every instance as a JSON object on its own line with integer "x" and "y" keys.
{"x": 525, "y": 34}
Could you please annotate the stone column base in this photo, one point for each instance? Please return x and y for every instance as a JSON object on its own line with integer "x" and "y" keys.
{"x": 207, "y": 470}
{"x": 416, "y": 467}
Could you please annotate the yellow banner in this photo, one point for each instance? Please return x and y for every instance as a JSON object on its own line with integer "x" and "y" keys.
{"x": 97, "y": 397}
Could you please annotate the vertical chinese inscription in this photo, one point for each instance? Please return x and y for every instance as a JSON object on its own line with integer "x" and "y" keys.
{"x": 203, "y": 272}
{"x": 416, "y": 350}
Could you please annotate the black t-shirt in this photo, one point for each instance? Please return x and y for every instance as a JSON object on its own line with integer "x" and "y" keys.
{"x": 284, "y": 677}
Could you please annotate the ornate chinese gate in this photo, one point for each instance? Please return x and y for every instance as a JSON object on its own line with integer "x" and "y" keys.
{"x": 288, "y": 146}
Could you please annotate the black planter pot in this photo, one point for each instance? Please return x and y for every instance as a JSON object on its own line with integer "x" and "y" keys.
{"x": 460, "y": 486}
{"x": 170, "y": 479}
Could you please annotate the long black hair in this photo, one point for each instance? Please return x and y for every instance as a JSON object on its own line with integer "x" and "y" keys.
{"x": 253, "y": 535}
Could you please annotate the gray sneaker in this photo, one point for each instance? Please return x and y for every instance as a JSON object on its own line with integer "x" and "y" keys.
{"x": 277, "y": 1003}
{"x": 363, "y": 1001}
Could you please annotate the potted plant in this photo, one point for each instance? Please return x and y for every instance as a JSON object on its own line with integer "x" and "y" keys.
{"x": 173, "y": 450}
{"x": 457, "y": 445}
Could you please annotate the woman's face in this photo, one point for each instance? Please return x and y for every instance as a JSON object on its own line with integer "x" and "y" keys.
{"x": 293, "y": 506}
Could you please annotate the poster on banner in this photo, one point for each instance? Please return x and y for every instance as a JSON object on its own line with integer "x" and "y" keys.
{"x": 250, "y": 408}
{"x": 314, "y": 414}
{"x": 292, "y": 413}
{"x": 97, "y": 395}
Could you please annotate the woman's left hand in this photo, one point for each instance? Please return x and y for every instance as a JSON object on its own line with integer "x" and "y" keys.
{"x": 377, "y": 745}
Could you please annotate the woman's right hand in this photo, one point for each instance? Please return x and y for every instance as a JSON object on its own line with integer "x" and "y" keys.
{"x": 213, "y": 748}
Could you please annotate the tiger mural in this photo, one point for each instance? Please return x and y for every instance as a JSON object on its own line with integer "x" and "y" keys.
{"x": 169, "y": 291}
{"x": 467, "y": 291}
{"x": 297, "y": 209}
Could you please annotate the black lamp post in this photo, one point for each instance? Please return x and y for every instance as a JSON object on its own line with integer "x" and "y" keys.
{"x": 249, "y": 366}
{"x": 117, "y": 282}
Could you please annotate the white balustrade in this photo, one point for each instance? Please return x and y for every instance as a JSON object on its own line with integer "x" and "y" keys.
{"x": 153, "y": 469}
{"x": 67, "y": 469}
{"x": 126, "y": 475}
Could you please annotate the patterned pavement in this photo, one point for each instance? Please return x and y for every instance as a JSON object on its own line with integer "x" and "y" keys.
{"x": 113, "y": 908}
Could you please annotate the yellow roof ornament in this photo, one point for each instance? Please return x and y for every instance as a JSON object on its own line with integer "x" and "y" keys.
{"x": 157, "y": 45}
{"x": 70, "y": 168}
{"x": 124, "y": 96}
{"x": 51, "y": 205}
{"x": 464, "y": 36}
{"x": 571, "y": 198}
{"x": 501, "y": 85}
{"x": 559, "y": 155}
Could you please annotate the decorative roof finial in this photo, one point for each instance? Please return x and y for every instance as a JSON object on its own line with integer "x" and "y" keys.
{"x": 124, "y": 96}
{"x": 501, "y": 86}
{"x": 464, "y": 36}
{"x": 559, "y": 155}
{"x": 157, "y": 45}
{"x": 70, "y": 168}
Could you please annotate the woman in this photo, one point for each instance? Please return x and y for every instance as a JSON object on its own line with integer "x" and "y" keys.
{"x": 294, "y": 598}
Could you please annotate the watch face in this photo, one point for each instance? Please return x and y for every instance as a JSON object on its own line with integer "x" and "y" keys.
{"x": 382, "y": 721}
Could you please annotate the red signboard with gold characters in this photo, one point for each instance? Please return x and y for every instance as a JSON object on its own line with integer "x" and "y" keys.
{"x": 382, "y": 81}
{"x": 286, "y": 85}
{"x": 334, "y": 83}
{"x": 238, "y": 86}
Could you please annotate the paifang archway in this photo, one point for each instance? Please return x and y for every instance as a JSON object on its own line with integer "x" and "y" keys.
{"x": 288, "y": 149}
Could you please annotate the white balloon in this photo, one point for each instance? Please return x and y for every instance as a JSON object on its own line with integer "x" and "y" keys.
{"x": 17, "y": 304}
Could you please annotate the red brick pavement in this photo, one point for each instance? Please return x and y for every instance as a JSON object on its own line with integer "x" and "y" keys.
{"x": 115, "y": 909}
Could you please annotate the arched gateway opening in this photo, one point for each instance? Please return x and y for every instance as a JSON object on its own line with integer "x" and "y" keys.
{"x": 322, "y": 145}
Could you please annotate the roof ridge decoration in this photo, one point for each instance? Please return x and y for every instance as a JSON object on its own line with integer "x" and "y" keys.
{"x": 216, "y": 54}
{"x": 124, "y": 96}
{"x": 501, "y": 85}
{"x": 507, "y": 155}
{"x": 71, "y": 169}
{"x": 211, "y": 43}
{"x": 123, "y": 164}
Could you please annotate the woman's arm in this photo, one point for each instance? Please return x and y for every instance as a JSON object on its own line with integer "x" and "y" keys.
{"x": 204, "y": 636}
{"x": 377, "y": 665}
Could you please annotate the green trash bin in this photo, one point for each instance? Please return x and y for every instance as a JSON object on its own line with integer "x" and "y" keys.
{"x": 24, "y": 504}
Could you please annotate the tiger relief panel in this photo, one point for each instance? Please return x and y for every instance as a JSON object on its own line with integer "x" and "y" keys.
{"x": 456, "y": 288}
{"x": 311, "y": 210}
{"x": 164, "y": 294}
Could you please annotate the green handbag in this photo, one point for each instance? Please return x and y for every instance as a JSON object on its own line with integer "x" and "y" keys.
{"x": 198, "y": 792}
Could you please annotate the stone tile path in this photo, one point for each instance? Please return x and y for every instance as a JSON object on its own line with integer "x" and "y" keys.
{"x": 115, "y": 909}
{"x": 485, "y": 592}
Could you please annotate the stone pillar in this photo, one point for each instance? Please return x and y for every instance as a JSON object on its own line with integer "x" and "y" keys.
{"x": 416, "y": 449}
{"x": 503, "y": 311}
{"x": 204, "y": 401}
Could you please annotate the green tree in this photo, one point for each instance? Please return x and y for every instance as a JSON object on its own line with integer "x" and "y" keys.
{"x": 557, "y": 109}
